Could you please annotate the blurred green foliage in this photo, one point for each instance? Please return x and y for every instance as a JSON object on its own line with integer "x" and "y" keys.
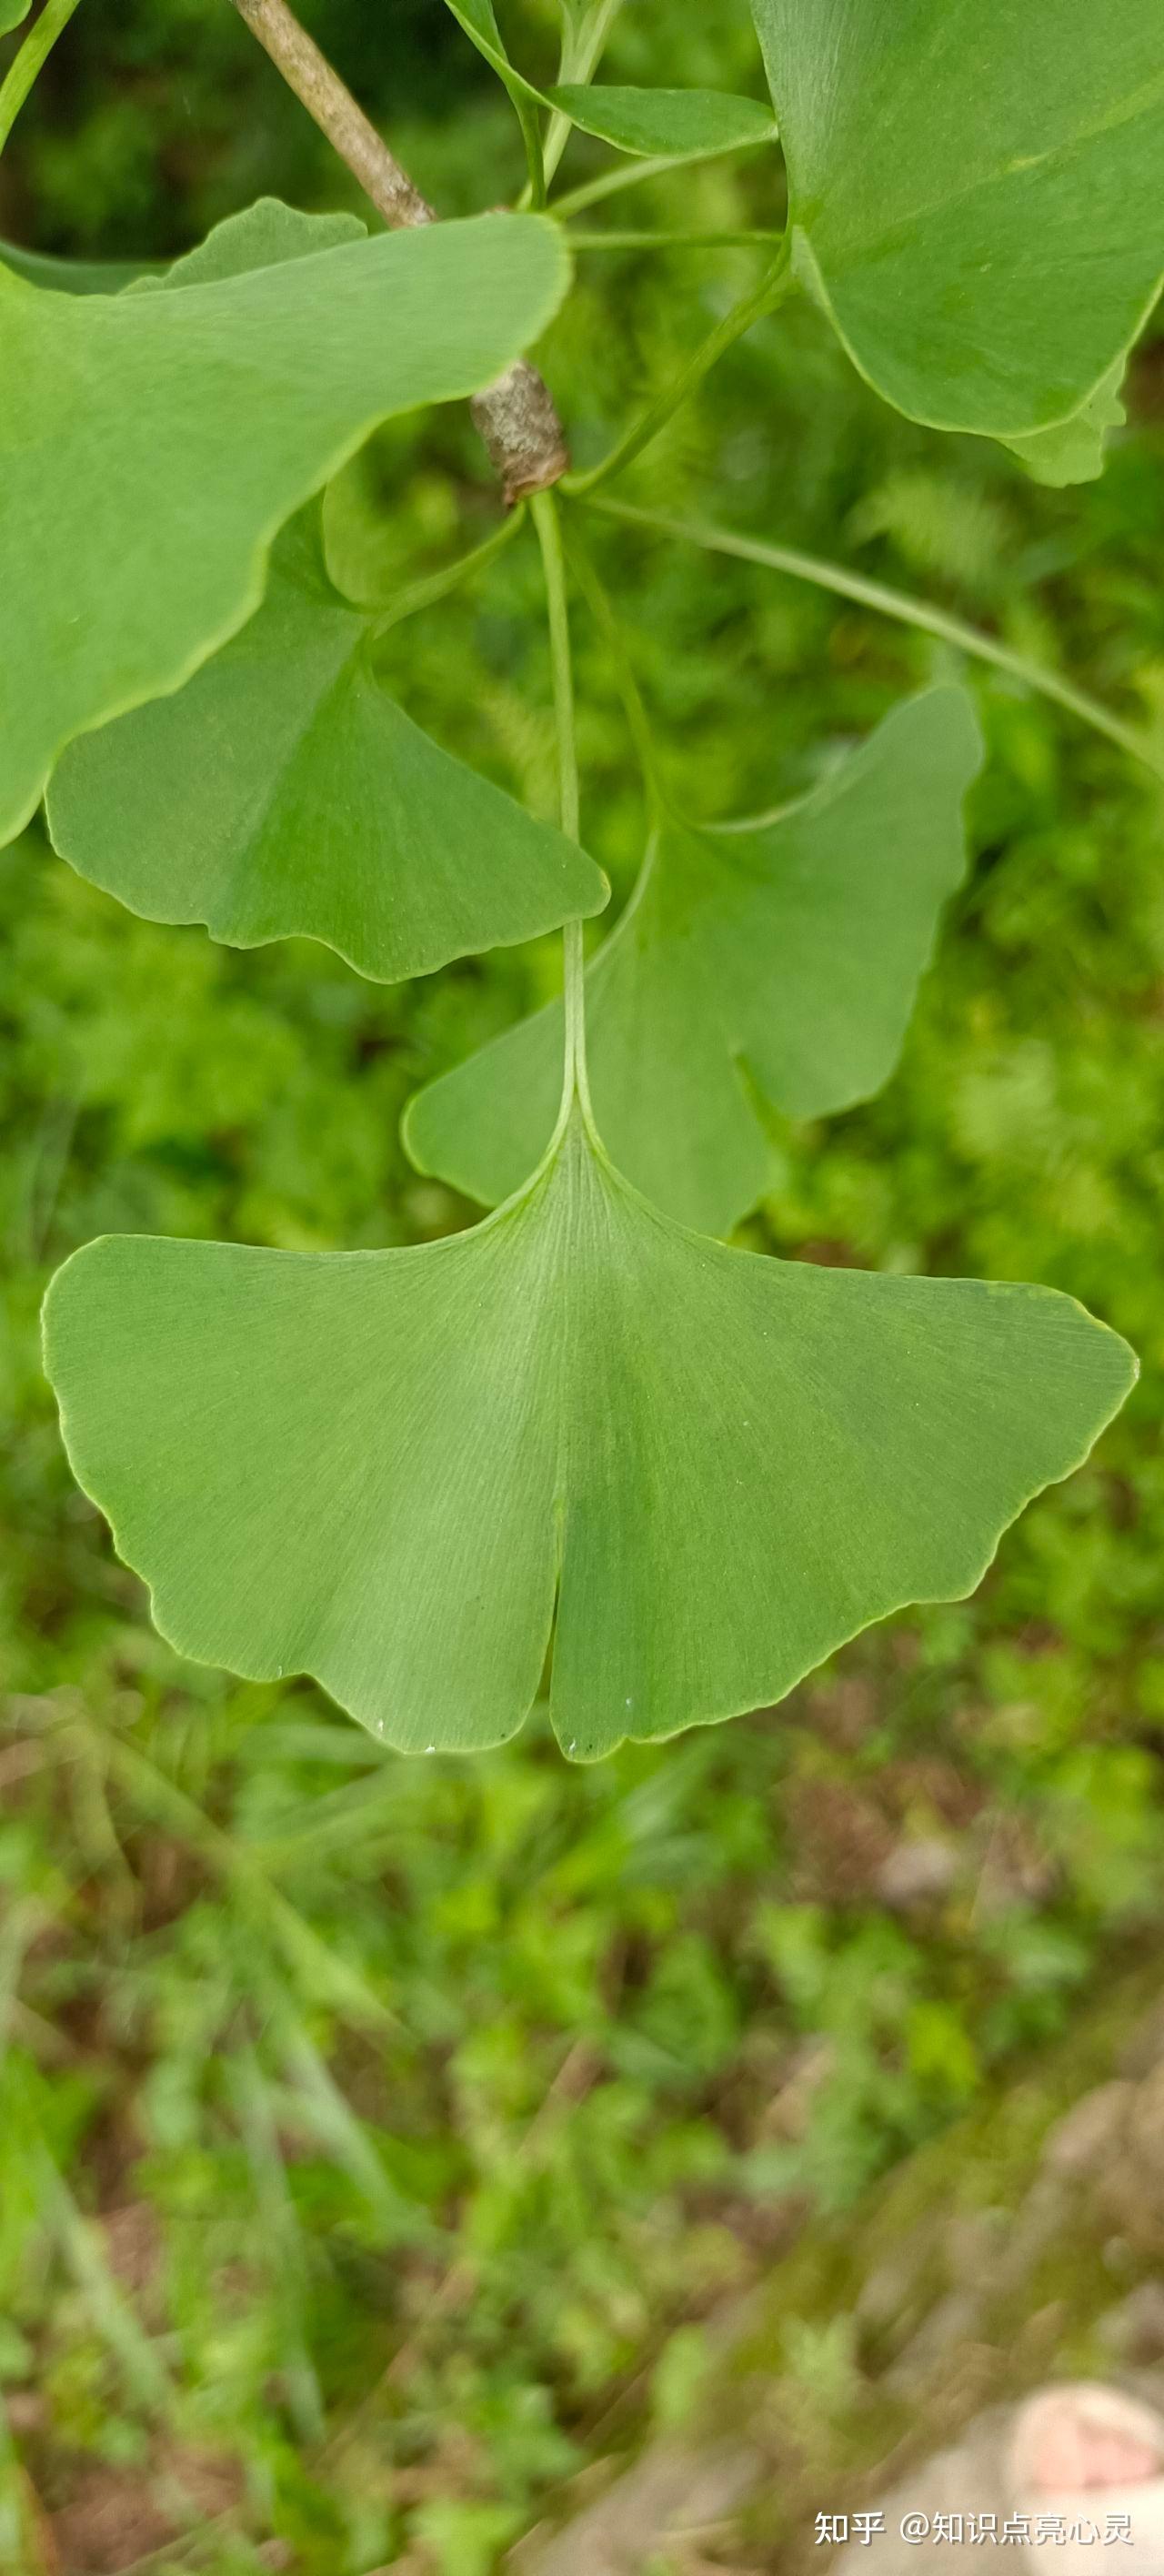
{"x": 375, "y": 2135}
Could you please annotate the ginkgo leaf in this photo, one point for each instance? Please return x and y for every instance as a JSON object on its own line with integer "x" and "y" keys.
{"x": 70, "y": 276}
{"x": 479, "y": 21}
{"x": 648, "y": 121}
{"x": 692, "y": 122}
{"x": 283, "y": 790}
{"x": 703, "y": 1469}
{"x": 324, "y": 810}
{"x": 783, "y": 957}
{"x": 478, "y": 18}
{"x": 151, "y": 445}
{"x": 1073, "y": 452}
{"x": 259, "y": 237}
{"x": 975, "y": 193}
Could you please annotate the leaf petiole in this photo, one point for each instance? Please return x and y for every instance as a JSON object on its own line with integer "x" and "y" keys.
{"x": 34, "y": 52}
{"x": 761, "y": 299}
{"x": 479, "y": 24}
{"x": 610, "y": 182}
{"x": 534, "y": 194}
{"x": 902, "y": 606}
{"x": 575, "y": 1082}
{"x": 638, "y": 725}
{"x": 578, "y": 66}
{"x": 436, "y": 585}
{"x": 674, "y": 241}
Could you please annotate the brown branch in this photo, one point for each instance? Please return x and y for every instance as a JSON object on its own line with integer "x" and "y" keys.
{"x": 516, "y": 416}
{"x": 335, "y": 111}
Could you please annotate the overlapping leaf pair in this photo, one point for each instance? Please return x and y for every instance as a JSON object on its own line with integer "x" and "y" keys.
{"x": 695, "y": 1469}
{"x": 153, "y": 443}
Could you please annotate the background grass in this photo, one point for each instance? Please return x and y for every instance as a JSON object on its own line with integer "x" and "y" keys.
{"x": 376, "y": 2137}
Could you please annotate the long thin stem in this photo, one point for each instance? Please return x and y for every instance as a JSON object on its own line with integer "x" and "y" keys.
{"x": 761, "y": 299}
{"x": 578, "y": 68}
{"x": 638, "y": 724}
{"x": 631, "y": 174}
{"x": 436, "y": 585}
{"x": 482, "y": 30}
{"x": 549, "y": 530}
{"x": 673, "y": 241}
{"x": 900, "y": 605}
{"x": 531, "y": 136}
{"x": 548, "y": 524}
{"x": 35, "y": 50}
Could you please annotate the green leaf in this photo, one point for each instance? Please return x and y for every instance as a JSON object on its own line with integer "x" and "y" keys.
{"x": 975, "y": 194}
{"x": 480, "y": 25}
{"x": 784, "y": 956}
{"x": 70, "y": 276}
{"x": 398, "y": 1471}
{"x": 259, "y": 237}
{"x": 283, "y": 790}
{"x": 151, "y": 445}
{"x": 1073, "y": 452}
{"x": 643, "y": 121}
{"x": 650, "y": 121}
{"x": 479, "y": 20}
{"x": 13, "y": 14}
{"x": 262, "y": 236}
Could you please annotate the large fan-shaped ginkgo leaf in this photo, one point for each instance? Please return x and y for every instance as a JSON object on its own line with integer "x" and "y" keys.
{"x": 783, "y": 957}
{"x": 387, "y": 1468}
{"x": 283, "y": 790}
{"x": 975, "y": 195}
{"x": 151, "y": 444}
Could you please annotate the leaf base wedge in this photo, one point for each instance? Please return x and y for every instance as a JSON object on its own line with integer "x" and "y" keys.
{"x": 700, "y": 1469}
{"x": 152, "y": 444}
{"x": 778, "y": 959}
